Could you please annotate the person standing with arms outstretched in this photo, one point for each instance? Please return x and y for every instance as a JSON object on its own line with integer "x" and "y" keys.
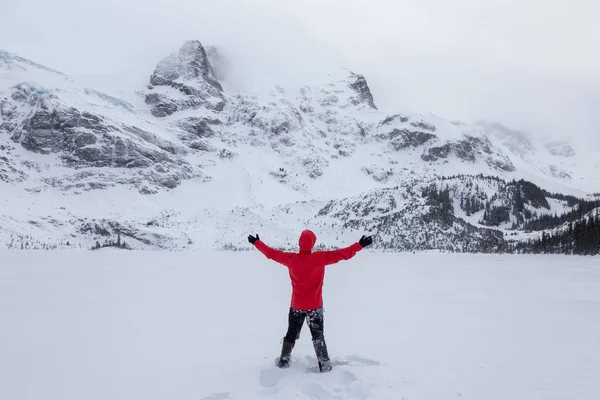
{"x": 307, "y": 271}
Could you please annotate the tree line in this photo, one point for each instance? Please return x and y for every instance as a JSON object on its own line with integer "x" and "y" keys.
{"x": 111, "y": 243}
{"x": 581, "y": 237}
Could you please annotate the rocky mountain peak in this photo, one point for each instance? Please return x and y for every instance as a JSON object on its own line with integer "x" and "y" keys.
{"x": 361, "y": 87}
{"x": 191, "y": 74}
{"x": 193, "y": 63}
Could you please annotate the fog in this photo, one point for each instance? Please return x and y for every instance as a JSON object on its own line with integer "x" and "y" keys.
{"x": 532, "y": 65}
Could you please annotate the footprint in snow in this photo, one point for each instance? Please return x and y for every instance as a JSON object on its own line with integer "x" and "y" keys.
{"x": 336, "y": 384}
{"x": 348, "y": 378}
{"x": 269, "y": 378}
{"x": 351, "y": 361}
{"x": 349, "y": 387}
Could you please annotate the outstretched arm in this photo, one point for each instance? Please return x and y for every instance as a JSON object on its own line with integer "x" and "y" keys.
{"x": 276, "y": 255}
{"x": 335, "y": 256}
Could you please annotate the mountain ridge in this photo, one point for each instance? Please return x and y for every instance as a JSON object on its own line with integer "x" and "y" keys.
{"x": 239, "y": 151}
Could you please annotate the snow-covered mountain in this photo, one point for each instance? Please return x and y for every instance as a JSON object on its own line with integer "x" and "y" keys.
{"x": 189, "y": 162}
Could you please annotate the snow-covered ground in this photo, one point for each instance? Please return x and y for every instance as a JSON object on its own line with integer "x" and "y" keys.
{"x": 196, "y": 325}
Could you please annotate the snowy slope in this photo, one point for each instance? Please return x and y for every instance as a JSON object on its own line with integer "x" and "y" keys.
{"x": 194, "y": 325}
{"x": 216, "y": 160}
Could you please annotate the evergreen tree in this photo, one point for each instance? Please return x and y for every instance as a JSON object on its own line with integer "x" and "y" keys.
{"x": 581, "y": 237}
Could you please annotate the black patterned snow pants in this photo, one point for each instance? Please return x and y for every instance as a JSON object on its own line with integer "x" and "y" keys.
{"x": 315, "y": 324}
{"x": 296, "y": 320}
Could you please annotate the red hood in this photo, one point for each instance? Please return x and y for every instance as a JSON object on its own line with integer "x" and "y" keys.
{"x": 307, "y": 241}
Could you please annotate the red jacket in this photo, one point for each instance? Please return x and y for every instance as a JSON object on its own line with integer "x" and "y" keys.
{"x": 307, "y": 269}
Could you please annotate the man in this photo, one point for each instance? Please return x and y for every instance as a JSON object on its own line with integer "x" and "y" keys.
{"x": 307, "y": 270}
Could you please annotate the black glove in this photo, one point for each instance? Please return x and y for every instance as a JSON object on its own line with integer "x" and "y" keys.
{"x": 365, "y": 241}
{"x": 253, "y": 239}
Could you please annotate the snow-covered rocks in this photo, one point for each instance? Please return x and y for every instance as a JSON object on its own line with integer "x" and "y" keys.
{"x": 359, "y": 84}
{"x": 470, "y": 149}
{"x": 560, "y": 149}
{"x": 184, "y": 80}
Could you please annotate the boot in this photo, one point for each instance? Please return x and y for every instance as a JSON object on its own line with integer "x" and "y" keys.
{"x": 322, "y": 355}
{"x": 286, "y": 352}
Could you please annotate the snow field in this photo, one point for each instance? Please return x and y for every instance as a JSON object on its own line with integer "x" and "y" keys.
{"x": 200, "y": 325}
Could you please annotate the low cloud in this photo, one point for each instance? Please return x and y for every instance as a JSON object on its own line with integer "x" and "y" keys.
{"x": 532, "y": 65}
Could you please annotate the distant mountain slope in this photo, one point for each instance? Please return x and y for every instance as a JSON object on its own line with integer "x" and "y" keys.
{"x": 78, "y": 164}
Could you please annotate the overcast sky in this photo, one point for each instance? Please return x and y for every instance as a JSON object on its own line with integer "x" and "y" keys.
{"x": 534, "y": 65}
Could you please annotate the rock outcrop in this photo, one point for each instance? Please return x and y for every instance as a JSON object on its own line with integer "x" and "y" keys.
{"x": 184, "y": 80}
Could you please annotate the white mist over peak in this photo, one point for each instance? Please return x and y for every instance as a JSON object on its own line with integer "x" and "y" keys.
{"x": 418, "y": 57}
